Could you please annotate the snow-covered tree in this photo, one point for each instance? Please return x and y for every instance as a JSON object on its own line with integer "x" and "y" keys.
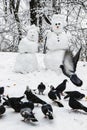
{"x": 17, "y": 15}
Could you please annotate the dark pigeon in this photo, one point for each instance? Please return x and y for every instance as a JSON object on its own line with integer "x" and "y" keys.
{"x": 2, "y": 110}
{"x": 27, "y": 105}
{"x": 74, "y": 104}
{"x": 41, "y": 87}
{"x": 14, "y": 102}
{"x": 75, "y": 94}
{"x": 54, "y": 97}
{"x": 0, "y": 99}
{"x": 61, "y": 87}
{"x": 32, "y": 97}
{"x": 1, "y": 90}
{"x": 47, "y": 111}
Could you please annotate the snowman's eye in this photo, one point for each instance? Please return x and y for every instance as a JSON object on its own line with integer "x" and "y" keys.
{"x": 58, "y": 23}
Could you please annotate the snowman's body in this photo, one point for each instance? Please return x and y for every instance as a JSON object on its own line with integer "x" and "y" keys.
{"x": 28, "y": 46}
{"x": 26, "y": 60}
{"x": 25, "y": 63}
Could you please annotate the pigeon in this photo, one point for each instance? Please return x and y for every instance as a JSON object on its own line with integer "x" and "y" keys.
{"x": 12, "y": 99}
{"x": 2, "y": 110}
{"x": 76, "y": 58}
{"x": 14, "y": 102}
{"x": 28, "y": 104}
{"x": 47, "y": 111}
{"x": 53, "y": 94}
{"x": 32, "y": 97}
{"x": 74, "y": 104}
{"x": 75, "y": 94}
{"x": 61, "y": 87}
{"x": 54, "y": 97}
{"x": 69, "y": 67}
{"x": 1, "y": 90}
{"x": 0, "y": 99}
{"x": 41, "y": 87}
{"x": 27, "y": 114}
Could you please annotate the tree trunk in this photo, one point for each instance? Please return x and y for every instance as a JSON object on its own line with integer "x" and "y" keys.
{"x": 15, "y": 9}
{"x": 5, "y": 9}
{"x": 54, "y": 3}
{"x": 33, "y": 13}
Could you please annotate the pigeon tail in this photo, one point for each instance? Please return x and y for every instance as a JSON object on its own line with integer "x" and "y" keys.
{"x": 2, "y": 110}
{"x": 75, "y": 80}
{"x": 33, "y": 119}
{"x": 66, "y": 96}
{"x": 20, "y": 98}
{"x": 76, "y": 57}
{"x": 85, "y": 109}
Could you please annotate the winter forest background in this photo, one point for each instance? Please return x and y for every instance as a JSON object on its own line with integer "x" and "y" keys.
{"x": 17, "y": 15}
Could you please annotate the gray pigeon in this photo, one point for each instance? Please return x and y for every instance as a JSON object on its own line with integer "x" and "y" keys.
{"x": 27, "y": 114}
{"x": 69, "y": 67}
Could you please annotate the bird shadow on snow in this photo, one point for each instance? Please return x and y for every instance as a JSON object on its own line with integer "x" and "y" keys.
{"x": 77, "y": 112}
{"x": 30, "y": 123}
{"x": 1, "y": 116}
{"x": 47, "y": 121}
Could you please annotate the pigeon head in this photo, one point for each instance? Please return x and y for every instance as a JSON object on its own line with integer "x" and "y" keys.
{"x": 62, "y": 67}
{"x": 41, "y": 83}
{"x": 28, "y": 89}
{"x": 65, "y": 80}
{"x": 52, "y": 87}
{"x": 83, "y": 95}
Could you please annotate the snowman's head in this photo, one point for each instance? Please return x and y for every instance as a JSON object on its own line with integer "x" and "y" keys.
{"x": 84, "y": 23}
{"x": 57, "y": 23}
{"x": 32, "y": 34}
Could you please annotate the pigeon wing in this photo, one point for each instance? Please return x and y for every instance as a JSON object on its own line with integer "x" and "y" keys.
{"x": 76, "y": 58}
{"x": 68, "y": 63}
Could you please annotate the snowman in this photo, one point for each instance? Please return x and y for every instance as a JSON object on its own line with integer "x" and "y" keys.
{"x": 26, "y": 60}
{"x": 57, "y": 43}
{"x": 84, "y": 23}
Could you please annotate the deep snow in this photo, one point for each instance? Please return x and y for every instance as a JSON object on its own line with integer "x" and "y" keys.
{"x": 15, "y": 85}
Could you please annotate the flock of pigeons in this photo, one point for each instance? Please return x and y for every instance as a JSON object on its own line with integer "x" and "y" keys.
{"x": 25, "y": 108}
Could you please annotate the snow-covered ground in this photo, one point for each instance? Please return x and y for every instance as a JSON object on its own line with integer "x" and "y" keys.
{"x": 15, "y": 85}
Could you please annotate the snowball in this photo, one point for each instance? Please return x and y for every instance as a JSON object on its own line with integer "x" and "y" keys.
{"x": 57, "y": 42}
{"x": 84, "y": 23}
{"x": 27, "y": 46}
{"x": 26, "y": 63}
{"x": 53, "y": 60}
